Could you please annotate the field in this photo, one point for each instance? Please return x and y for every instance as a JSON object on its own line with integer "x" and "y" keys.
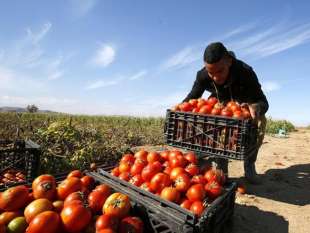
{"x": 280, "y": 205}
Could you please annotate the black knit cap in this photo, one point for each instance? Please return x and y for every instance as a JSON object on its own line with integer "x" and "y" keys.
{"x": 214, "y": 52}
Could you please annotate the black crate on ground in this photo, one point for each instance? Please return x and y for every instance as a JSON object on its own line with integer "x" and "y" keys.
{"x": 20, "y": 155}
{"x": 169, "y": 217}
{"x": 216, "y": 136}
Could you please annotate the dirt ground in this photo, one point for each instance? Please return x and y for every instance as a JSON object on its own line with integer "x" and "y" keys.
{"x": 281, "y": 204}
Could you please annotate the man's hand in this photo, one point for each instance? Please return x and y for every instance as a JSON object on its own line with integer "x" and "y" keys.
{"x": 254, "y": 110}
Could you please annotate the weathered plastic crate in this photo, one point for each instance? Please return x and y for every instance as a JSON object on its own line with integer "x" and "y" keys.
{"x": 168, "y": 217}
{"x": 20, "y": 155}
{"x": 215, "y": 136}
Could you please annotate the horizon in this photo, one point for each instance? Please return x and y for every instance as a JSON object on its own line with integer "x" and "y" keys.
{"x": 135, "y": 59}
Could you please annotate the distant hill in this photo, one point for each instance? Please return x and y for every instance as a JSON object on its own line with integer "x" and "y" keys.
{"x": 19, "y": 109}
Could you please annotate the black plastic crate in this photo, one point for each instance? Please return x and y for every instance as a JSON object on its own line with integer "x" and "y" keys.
{"x": 168, "y": 217}
{"x": 209, "y": 135}
{"x": 20, "y": 155}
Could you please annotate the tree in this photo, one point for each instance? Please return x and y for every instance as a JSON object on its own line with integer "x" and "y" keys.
{"x": 32, "y": 108}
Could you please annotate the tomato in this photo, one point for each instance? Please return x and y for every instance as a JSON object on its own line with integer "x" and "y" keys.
{"x": 186, "y": 107}
{"x": 76, "y": 196}
{"x": 69, "y": 185}
{"x": 124, "y": 167}
{"x": 132, "y": 225}
{"x": 136, "y": 180}
{"x": 88, "y": 182}
{"x": 238, "y": 115}
{"x": 165, "y": 155}
{"x": 182, "y": 182}
{"x": 106, "y": 230}
{"x": 17, "y": 225}
{"x": 170, "y": 194}
{"x": 104, "y": 189}
{"x": 213, "y": 189}
{"x": 212, "y": 101}
{"x": 186, "y": 204}
{"x": 196, "y": 110}
{"x": 36, "y": 207}
{"x": 197, "y": 208}
{"x": 241, "y": 189}
{"x": 47, "y": 222}
{"x": 149, "y": 171}
{"x": 75, "y": 217}
{"x": 159, "y": 181}
{"x": 191, "y": 157}
{"x": 75, "y": 173}
{"x": 107, "y": 221}
{"x": 215, "y": 175}
{"x": 174, "y": 154}
{"x": 178, "y": 162}
{"x": 205, "y": 109}
{"x": 117, "y": 205}
{"x": 193, "y": 102}
{"x": 129, "y": 158}
{"x": 216, "y": 111}
{"x": 124, "y": 176}
{"x": 196, "y": 193}
{"x": 226, "y": 112}
{"x": 58, "y": 206}
{"x": 192, "y": 169}
{"x": 14, "y": 198}
{"x": 198, "y": 179}
{"x": 141, "y": 155}
{"x": 115, "y": 171}
{"x": 175, "y": 172}
{"x": 96, "y": 200}
{"x": 2, "y": 228}
{"x": 246, "y": 114}
{"x": 42, "y": 178}
{"x": 168, "y": 170}
{"x": 201, "y": 103}
{"x": 45, "y": 189}
{"x": 153, "y": 157}
{"x": 7, "y": 216}
{"x": 137, "y": 168}
{"x": 146, "y": 186}
{"x": 234, "y": 108}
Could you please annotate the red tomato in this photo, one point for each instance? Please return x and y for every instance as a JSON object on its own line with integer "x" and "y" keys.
{"x": 47, "y": 222}
{"x": 141, "y": 155}
{"x": 88, "y": 182}
{"x": 174, "y": 154}
{"x": 96, "y": 200}
{"x": 153, "y": 157}
{"x": 75, "y": 173}
{"x": 191, "y": 157}
{"x": 146, "y": 186}
{"x": 216, "y": 111}
{"x": 165, "y": 155}
{"x": 238, "y": 115}
{"x": 45, "y": 189}
{"x": 193, "y": 102}
{"x": 215, "y": 175}
{"x": 115, "y": 171}
{"x": 69, "y": 185}
{"x": 199, "y": 179}
{"x": 234, "y": 108}
{"x": 212, "y": 101}
{"x": 186, "y": 204}
{"x": 149, "y": 171}
{"x": 182, "y": 182}
{"x": 168, "y": 170}
{"x": 14, "y": 198}
{"x": 58, "y": 206}
{"x": 124, "y": 176}
{"x": 201, "y": 102}
{"x": 117, "y": 205}
{"x": 226, "y": 112}
{"x": 192, "y": 169}
{"x": 136, "y": 180}
{"x": 7, "y": 216}
{"x": 205, "y": 109}
{"x": 178, "y": 162}
{"x": 41, "y": 178}
{"x": 170, "y": 194}
{"x": 137, "y": 168}
{"x": 196, "y": 193}
{"x": 197, "y": 208}
{"x": 76, "y": 196}
{"x": 104, "y": 189}
{"x": 2, "y": 228}
{"x": 129, "y": 158}
{"x": 75, "y": 217}
{"x": 132, "y": 225}
{"x": 175, "y": 172}
{"x": 106, "y": 230}
{"x": 159, "y": 181}
{"x": 213, "y": 189}
{"x": 36, "y": 207}
{"x": 186, "y": 107}
{"x": 107, "y": 221}
{"x": 124, "y": 167}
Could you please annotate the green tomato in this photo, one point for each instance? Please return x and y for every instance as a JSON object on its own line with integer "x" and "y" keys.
{"x": 17, "y": 225}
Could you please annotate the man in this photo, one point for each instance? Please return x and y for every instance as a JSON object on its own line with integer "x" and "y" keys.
{"x": 228, "y": 78}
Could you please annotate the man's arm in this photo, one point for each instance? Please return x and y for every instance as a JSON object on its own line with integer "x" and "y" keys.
{"x": 197, "y": 89}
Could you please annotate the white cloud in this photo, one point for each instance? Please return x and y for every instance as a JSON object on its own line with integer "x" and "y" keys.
{"x": 38, "y": 36}
{"x": 104, "y": 56}
{"x": 138, "y": 75}
{"x": 102, "y": 83}
{"x": 82, "y": 7}
{"x": 55, "y": 75}
{"x": 270, "y": 86}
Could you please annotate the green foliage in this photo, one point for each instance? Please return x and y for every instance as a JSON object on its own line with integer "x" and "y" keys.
{"x": 75, "y": 141}
{"x": 273, "y": 126}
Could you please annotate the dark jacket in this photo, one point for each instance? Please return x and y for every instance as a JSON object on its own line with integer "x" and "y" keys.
{"x": 241, "y": 86}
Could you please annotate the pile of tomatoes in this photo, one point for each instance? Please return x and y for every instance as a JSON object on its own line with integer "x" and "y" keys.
{"x": 212, "y": 106}
{"x": 174, "y": 176}
{"x": 12, "y": 176}
{"x": 73, "y": 206}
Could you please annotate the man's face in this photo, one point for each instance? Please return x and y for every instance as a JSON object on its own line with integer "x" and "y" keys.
{"x": 219, "y": 71}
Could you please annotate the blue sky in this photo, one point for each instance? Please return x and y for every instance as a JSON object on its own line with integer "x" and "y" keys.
{"x": 141, "y": 57}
